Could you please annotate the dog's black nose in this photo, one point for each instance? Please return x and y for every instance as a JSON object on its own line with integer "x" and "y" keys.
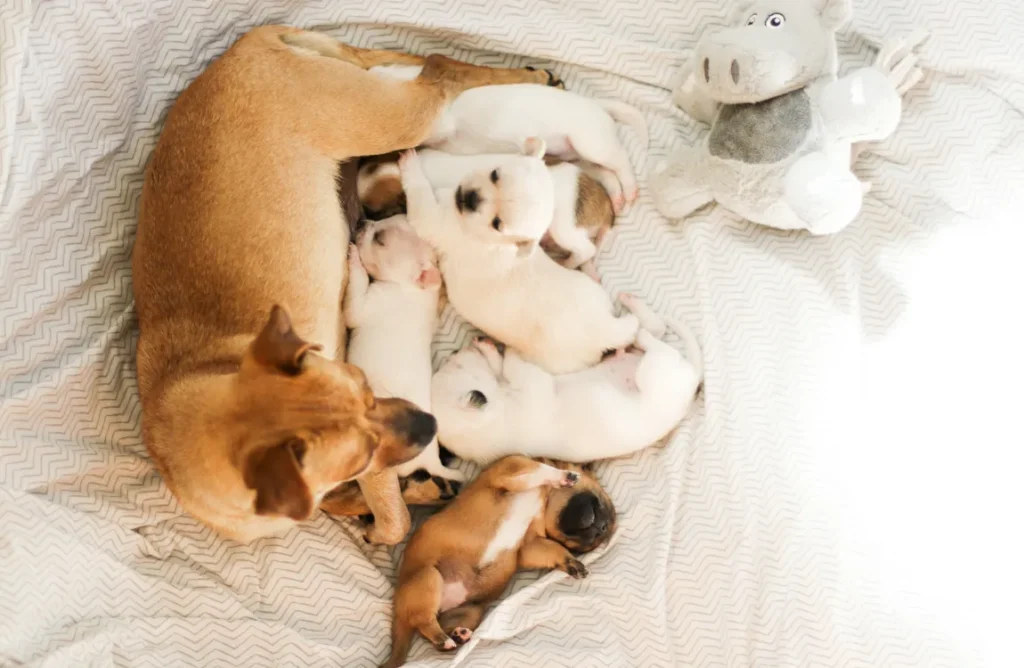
{"x": 422, "y": 428}
{"x": 470, "y": 199}
{"x": 580, "y": 513}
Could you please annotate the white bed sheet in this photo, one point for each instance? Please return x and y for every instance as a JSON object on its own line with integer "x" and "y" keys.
{"x": 846, "y": 493}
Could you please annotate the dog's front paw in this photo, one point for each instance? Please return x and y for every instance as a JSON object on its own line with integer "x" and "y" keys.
{"x": 569, "y": 479}
{"x": 409, "y": 162}
{"x": 354, "y": 261}
{"x": 461, "y": 635}
{"x": 575, "y": 568}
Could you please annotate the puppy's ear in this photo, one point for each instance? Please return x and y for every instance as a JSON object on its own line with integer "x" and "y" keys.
{"x": 524, "y": 249}
{"x": 535, "y": 147}
{"x": 276, "y": 475}
{"x": 278, "y": 346}
{"x": 430, "y": 277}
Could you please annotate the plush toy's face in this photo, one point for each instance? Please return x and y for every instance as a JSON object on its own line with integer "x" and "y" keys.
{"x": 775, "y": 46}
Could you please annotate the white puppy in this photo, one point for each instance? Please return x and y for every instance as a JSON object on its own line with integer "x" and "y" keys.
{"x": 490, "y": 404}
{"x": 556, "y": 318}
{"x": 393, "y": 320}
{"x": 583, "y": 211}
{"x": 498, "y": 119}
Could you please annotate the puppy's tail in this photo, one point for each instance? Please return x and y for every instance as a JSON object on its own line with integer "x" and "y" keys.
{"x": 631, "y": 116}
{"x": 693, "y": 350}
{"x": 401, "y": 641}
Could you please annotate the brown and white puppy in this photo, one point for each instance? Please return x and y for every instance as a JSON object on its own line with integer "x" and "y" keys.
{"x": 519, "y": 514}
{"x": 239, "y": 270}
{"x": 583, "y": 211}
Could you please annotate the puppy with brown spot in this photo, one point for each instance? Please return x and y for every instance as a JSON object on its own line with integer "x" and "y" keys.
{"x": 519, "y": 514}
{"x": 583, "y": 211}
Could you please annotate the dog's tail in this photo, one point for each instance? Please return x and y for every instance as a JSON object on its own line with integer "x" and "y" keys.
{"x": 631, "y": 116}
{"x": 401, "y": 641}
{"x": 693, "y": 350}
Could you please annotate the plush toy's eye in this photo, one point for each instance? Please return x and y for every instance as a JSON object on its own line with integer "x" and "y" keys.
{"x": 774, "y": 20}
{"x": 752, "y": 20}
{"x": 496, "y": 223}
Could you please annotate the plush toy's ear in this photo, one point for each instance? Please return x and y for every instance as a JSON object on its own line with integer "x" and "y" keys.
{"x": 741, "y": 12}
{"x": 535, "y": 147}
{"x": 835, "y": 13}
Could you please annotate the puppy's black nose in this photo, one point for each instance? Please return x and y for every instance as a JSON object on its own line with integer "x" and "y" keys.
{"x": 471, "y": 199}
{"x": 422, "y": 428}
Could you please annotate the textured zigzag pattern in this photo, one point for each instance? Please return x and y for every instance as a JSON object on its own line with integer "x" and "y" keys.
{"x": 727, "y": 554}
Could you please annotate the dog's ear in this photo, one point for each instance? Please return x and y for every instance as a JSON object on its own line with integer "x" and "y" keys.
{"x": 278, "y": 346}
{"x": 276, "y": 475}
{"x": 524, "y": 249}
{"x": 535, "y": 147}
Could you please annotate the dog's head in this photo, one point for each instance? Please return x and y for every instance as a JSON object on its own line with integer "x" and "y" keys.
{"x": 391, "y": 251}
{"x": 513, "y": 202}
{"x": 379, "y": 187}
{"x": 465, "y": 395}
{"x": 302, "y": 423}
{"x": 581, "y": 517}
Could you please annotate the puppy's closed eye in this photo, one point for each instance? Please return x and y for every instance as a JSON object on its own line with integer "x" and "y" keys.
{"x": 476, "y": 399}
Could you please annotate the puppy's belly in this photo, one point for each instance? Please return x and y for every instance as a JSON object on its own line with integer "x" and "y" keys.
{"x": 453, "y": 594}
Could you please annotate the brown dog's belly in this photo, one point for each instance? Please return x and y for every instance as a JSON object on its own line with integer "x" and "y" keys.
{"x": 467, "y": 583}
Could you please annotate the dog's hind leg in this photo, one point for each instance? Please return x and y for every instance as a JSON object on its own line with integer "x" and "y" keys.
{"x": 420, "y": 599}
{"x": 606, "y": 152}
{"x": 341, "y": 109}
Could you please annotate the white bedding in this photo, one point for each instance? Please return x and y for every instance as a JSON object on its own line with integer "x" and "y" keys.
{"x": 846, "y": 494}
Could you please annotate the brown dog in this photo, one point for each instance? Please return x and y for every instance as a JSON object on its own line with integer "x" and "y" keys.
{"x": 520, "y": 513}
{"x": 245, "y": 409}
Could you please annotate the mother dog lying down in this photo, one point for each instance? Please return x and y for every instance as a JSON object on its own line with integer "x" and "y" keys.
{"x": 245, "y": 409}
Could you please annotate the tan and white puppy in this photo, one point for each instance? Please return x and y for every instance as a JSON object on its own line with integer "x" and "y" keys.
{"x": 490, "y": 402}
{"x": 238, "y": 272}
{"x": 392, "y": 323}
{"x": 519, "y": 514}
{"x": 559, "y": 319}
{"x": 583, "y": 211}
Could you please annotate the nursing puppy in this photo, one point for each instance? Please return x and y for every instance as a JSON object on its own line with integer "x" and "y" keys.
{"x": 558, "y": 319}
{"x": 392, "y": 323}
{"x": 490, "y": 403}
{"x": 238, "y": 271}
{"x": 519, "y": 514}
{"x": 499, "y": 119}
{"x": 583, "y": 210}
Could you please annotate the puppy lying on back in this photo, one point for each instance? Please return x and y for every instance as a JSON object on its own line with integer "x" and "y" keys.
{"x": 490, "y": 404}
{"x": 583, "y": 211}
{"x": 393, "y": 322}
{"x": 559, "y": 319}
{"x": 518, "y": 514}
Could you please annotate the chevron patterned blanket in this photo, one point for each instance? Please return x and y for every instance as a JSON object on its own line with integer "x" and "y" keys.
{"x": 840, "y": 496}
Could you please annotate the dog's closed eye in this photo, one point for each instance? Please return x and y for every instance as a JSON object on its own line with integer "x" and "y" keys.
{"x": 476, "y": 399}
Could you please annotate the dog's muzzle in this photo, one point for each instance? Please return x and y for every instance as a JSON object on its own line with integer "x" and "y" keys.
{"x": 586, "y": 520}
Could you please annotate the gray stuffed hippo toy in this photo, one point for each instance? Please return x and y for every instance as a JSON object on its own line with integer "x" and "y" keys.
{"x": 784, "y": 128}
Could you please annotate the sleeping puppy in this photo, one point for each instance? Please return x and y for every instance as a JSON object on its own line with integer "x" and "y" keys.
{"x": 519, "y": 514}
{"x": 392, "y": 323}
{"x": 583, "y": 211}
{"x": 558, "y": 319}
{"x": 490, "y": 403}
{"x": 499, "y": 119}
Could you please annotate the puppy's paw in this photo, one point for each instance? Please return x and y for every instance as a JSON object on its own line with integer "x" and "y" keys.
{"x": 589, "y": 270}
{"x": 408, "y": 161}
{"x": 354, "y": 260}
{"x": 569, "y": 479}
{"x": 461, "y": 635}
{"x": 447, "y": 489}
{"x": 448, "y": 645}
{"x": 618, "y": 203}
{"x": 575, "y": 568}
